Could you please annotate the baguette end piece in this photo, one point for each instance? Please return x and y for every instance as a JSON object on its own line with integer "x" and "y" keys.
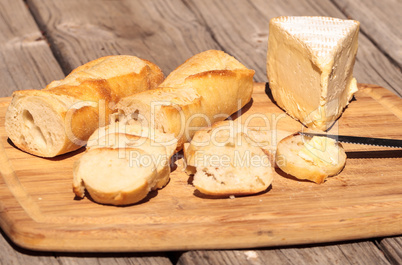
{"x": 59, "y": 118}
{"x": 34, "y": 123}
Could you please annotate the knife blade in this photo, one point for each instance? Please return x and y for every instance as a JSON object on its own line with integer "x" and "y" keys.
{"x": 360, "y": 140}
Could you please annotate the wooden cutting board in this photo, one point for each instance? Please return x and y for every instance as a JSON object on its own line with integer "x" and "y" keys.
{"x": 38, "y": 209}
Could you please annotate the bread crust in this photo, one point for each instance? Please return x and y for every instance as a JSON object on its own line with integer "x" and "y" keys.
{"x": 158, "y": 152}
{"x": 207, "y": 88}
{"x": 154, "y": 146}
{"x": 78, "y": 104}
{"x": 289, "y": 159}
{"x": 88, "y": 178}
{"x": 211, "y": 84}
{"x": 116, "y": 144}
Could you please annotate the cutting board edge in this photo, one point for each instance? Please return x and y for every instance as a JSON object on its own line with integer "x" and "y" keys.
{"x": 16, "y": 232}
{"x": 29, "y": 240}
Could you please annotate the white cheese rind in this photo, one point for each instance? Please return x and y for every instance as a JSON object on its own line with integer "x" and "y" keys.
{"x": 310, "y": 67}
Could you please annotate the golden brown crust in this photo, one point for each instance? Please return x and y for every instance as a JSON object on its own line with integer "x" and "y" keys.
{"x": 82, "y": 101}
{"x": 211, "y": 84}
{"x": 288, "y": 159}
{"x": 124, "y": 193}
{"x": 122, "y": 198}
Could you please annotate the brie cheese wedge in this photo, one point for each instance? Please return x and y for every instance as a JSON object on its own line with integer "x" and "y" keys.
{"x": 310, "y": 67}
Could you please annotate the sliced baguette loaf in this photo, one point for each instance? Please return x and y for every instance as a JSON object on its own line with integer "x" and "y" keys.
{"x": 225, "y": 161}
{"x": 194, "y": 100}
{"x": 61, "y": 117}
{"x": 311, "y": 158}
{"x": 208, "y": 87}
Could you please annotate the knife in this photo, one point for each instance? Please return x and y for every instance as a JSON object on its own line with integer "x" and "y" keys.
{"x": 360, "y": 140}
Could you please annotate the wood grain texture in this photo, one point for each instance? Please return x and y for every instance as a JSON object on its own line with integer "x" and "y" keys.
{"x": 361, "y": 253}
{"x": 379, "y": 22}
{"x": 40, "y": 212}
{"x": 175, "y": 31}
{"x": 392, "y": 247}
{"x": 113, "y": 259}
{"x": 26, "y": 61}
{"x": 169, "y": 32}
{"x": 164, "y": 32}
{"x": 246, "y": 37}
{"x": 12, "y": 254}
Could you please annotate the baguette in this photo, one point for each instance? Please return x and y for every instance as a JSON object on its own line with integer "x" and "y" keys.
{"x": 208, "y": 87}
{"x": 225, "y": 161}
{"x": 60, "y": 118}
{"x": 311, "y": 158}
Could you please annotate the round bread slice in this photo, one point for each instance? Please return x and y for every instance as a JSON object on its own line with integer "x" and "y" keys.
{"x": 137, "y": 129}
{"x": 311, "y": 158}
{"x": 114, "y": 177}
{"x": 226, "y": 163}
{"x": 262, "y": 137}
{"x": 156, "y": 151}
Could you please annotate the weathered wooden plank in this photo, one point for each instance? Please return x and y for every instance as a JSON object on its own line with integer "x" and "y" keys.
{"x": 113, "y": 259}
{"x": 241, "y": 28}
{"x": 167, "y": 49}
{"x": 11, "y": 254}
{"x": 379, "y": 22}
{"x": 168, "y": 32}
{"x": 246, "y": 38}
{"x": 26, "y": 62}
{"x": 392, "y": 247}
{"x": 352, "y": 253}
{"x": 164, "y": 32}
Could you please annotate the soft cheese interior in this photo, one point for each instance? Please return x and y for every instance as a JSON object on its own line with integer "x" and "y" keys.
{"x": 310, "y": 67}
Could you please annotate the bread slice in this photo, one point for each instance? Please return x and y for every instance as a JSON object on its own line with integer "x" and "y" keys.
{"x": 207, "y": 88}
{"x": 311, "y": 158}
{"x": 170, "y": 115}
{"x": 262, "y": 137}
{"x": 112, "y": 177}
{"x": 61, "y": 117}
{"x": 267, "y": 140}
{"x": 137, "y": 129}
{"x": 156, "y": 151}
{"x": 227, "y": 162}
{"x": 121, "y": 138}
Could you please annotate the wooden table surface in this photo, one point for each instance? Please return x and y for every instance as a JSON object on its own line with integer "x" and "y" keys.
{"x": 43, "y": 40}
